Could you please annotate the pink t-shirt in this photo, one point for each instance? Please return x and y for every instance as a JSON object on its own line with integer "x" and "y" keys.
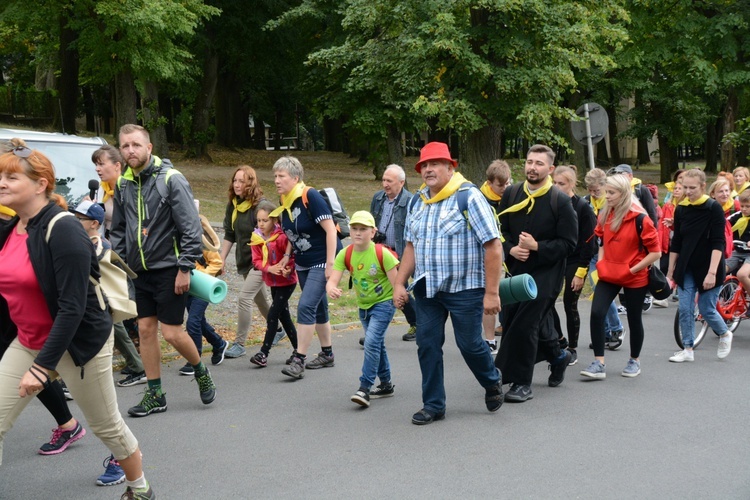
{"x": 19, "y": 286}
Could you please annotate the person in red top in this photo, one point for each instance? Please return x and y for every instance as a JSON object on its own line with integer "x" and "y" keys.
{"x": 624, "y": 257}
{"x": 268, "y": 244}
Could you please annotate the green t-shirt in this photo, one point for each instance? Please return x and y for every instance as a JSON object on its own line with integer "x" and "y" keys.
{"x": 369, "y": 280}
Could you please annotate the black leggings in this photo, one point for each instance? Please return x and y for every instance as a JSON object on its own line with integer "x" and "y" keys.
{"x": 570, "y": 303}
{"x": 604, "y": 295}
{"x": 53, "y": 398}
{"x": 279, "y": 312}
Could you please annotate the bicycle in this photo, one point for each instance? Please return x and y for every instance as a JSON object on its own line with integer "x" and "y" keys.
{"x": 732, "y": 305}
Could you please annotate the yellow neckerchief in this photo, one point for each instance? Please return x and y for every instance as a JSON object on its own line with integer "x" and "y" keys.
{"x": 109, "y": 192}
{"x": 447, "y": 190}
{"x": 7, "y": 211}
{"x": 634, "y": 182}
{"x": 488, "y": 192}
{"x": 597, "y": 204}
{"x": 242, "y": 207}
{"x": 741, "y": 225}
{"x": 742, "y": 188}
{"x": 670, "y": 186}
{"x": 530, "y": 197}
{"x": 700, "y": 201}
{"x": 286, "y": 201}
{"x": 728, "y": 205}
{"x": 257, "y": 239}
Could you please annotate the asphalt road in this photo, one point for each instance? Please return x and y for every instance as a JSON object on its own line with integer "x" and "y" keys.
{"x": 676, "y": 431}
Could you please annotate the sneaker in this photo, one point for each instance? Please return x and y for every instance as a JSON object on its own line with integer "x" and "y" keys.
{"x": 218, "y": 355}
{"x": 493, "y": 397}
{"x": 573, "y": 357}
{"x": 206, "y": 386}
{"x": 410, "y": 335}
{"x": 61, "y": 439}
{"x": 621, "y": 310}
{"x": 280, "y": 334}
{"x": 187, "y": 370}
{"x": 295, "y": 369}
{"x": 557, "y": 370}
{"x": 66, "y": 391}
{"x": 291, "y": 358}
{"x": 615, "y": 340}
{"x": 133, "y": 379}
{"x": 138, "y": 494}
{"x": 595, "y": 370}
{"x": 151, "y": 403}
{"x": 492, "y": 344}
{"x": 663, "y": 303}
{"x": 321, "y": 361}
{"x": 725, "y": 345}
{"x": 113, "y": 473}
{"x": 384, "y": 390}
{"x": 607, "y": 340}
{"x": 235, "y": 351}
{"x": 683, "y": 356}
{"x": 260, "y": 359}
{"x": 424, "y": 417}
{"x": 648, "y": 301}
{"x": 127, "y": 371}
{"x": 632, "y": 369}
{"x": 519, "y": 393}
{"x": 361, "y": 397}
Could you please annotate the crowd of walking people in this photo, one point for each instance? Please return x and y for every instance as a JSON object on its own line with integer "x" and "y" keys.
{"x": 438, "y": 252}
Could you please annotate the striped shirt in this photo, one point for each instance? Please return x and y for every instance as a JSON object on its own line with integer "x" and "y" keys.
{"x": 448, "y": 252}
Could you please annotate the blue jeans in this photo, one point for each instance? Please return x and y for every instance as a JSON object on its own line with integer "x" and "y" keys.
{"x": 197, "y": 326}
{"x": 312, "y": 308}
{"x": 466, "y": 310}
{"x": 706, "y": 305}
{"x": 612, "y": 321}
{"x": 375, "y": 321}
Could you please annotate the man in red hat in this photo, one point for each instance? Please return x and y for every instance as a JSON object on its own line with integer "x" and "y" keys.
{"x": 455, "y": 256}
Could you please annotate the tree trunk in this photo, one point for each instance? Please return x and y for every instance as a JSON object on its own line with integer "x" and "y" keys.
{"x": 200, "y": 136}
{"x": 232, "y": 115}
{"x": 643, "y": 155}
{"x": 68, "y": 82}
{"x": 125, "y": 100}
{"x": 665, "y": 159}
{"x": 614, "y": 143}
{"x": 395, "y": 151}
{"x": 152, "y": 119}
{"x": 728, "y": 156}
{"x": 711, "y": 146}
{"x": 600, "y": 152}
{"x": 477, "y": 150}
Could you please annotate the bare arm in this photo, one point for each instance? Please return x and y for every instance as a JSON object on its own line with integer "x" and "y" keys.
{"x": 493, "y": 266}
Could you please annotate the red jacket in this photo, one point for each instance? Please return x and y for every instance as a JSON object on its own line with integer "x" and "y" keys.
{"x": 276, "y": 251}
{"x": 623, "y": 250}
{"x": 665, "y": 233}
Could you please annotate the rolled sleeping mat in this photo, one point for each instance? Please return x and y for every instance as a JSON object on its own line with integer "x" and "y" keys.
{"x": 207, "y": 287}
{"x": 518, "y": 288}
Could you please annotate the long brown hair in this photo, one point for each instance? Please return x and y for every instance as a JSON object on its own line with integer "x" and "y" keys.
{"x": 35, "y": 166}
{"x": 253, "y": 192}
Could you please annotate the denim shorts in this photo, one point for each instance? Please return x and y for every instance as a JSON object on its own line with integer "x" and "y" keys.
{"x": 312, "y": 308}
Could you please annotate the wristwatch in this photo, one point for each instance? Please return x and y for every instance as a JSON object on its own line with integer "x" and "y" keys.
{"x": 184, "y": 269}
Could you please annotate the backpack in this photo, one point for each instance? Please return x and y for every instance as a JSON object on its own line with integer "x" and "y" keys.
{"x": 113, "y": 282}
{"x": 332, "y": 199}
{"x": 378, "y": 253}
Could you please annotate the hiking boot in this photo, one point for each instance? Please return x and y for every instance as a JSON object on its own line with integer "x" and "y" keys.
{"x": 206, "y": 386}
{"x": 362, "y": 397}
{"x": 321, "y": 361}
{"x": 384, "y": 390}
{"x": 493, "y": 397}
{"x": 61, "y": 439}
{"x": 260, "y": 359}
{"x": 138, "y": 494}
{"x": 682, "y": 356}
{"x": 113, "y": 473}
{"x": 725, "y": 345}
{"x": 280, "y": 334}
{"x": 295, "y": 369}
{"x": 410, "y": 335}
{"x": 519, "y": 393}
{"x": 573, "y": 357}
{"x": 557, "y": 370}
{"x": 595, "y": 370}
{"x": 218, "y": 355}
{"x": 632, "y": 369}
{"x": 294, "y": 355}
{"x": 616, "y": 338}
{"x": 187, "y": 370}
{"x": 151, "y": 403}
{"x": 133, "y": 379}
{"x": 235, "y": 351}
{"x": 424, "y": 417}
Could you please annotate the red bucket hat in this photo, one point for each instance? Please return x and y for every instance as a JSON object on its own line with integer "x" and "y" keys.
{"x": 434, "y": 151}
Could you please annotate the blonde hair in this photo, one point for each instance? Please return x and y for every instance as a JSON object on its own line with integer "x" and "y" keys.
{"x": 595, "y": 177}
{"x": 569, "y": 172}
{"x": 716, "y": 185}
{"x": 620, "y": 183}
{"x": 744, "y": 170}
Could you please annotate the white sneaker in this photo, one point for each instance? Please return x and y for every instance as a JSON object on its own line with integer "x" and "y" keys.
{"x": 682, "y": 356}
{"x": 725, "y": 346}
{"x": 661, "y": 303}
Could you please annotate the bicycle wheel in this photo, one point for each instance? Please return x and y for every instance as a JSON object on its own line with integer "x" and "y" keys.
{"x": 725, "y": 304}
{"x": 701, "y": 327}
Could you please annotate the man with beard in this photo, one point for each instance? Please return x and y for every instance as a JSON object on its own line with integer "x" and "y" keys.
{"x": 156, "y": 229}
{"x": 540, "y": 229}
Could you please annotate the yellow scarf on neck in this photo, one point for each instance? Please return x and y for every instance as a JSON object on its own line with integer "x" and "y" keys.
{"x": 488, "y": 192}
{"x": 742, "y": 188}
{"x": 728, "y": 205}
{"x": 700, "y": 201}
{"x": 257, "y": 239}
{"x": 7, "y": 211}
{"x": 670, "y": 186}
{"x": 634, "y": 182}
{"x": 447, "y": 190}
{"x": 741, "y": 225}
{"x": 597, "y": 204}
{"x": 109, "y": 191}
{"x": 530, "y": 197}
{"x": 242, "y": 207}
{"x": 286, "y": 201}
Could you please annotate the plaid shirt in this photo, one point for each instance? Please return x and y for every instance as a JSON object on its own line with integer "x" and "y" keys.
{"x": 448, "y": 252}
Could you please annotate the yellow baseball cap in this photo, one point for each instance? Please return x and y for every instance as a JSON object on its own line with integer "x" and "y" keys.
{"x": 363, "y": 218}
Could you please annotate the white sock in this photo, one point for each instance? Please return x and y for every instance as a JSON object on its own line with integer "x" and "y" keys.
{"x": 139, "y": 483}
